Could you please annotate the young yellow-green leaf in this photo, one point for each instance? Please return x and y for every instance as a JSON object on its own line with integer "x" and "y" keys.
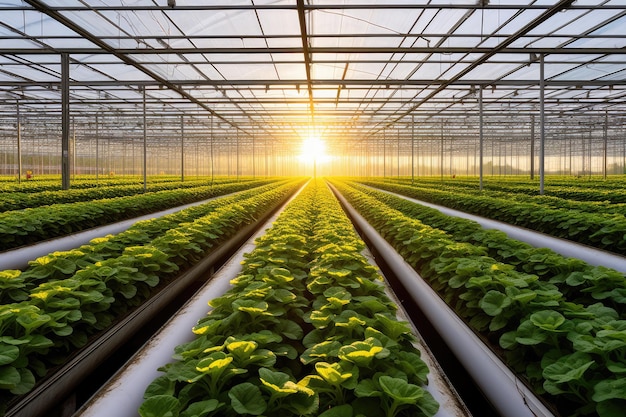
{"x": 213, "y": 365}
{"x": 242, "y": 348}
{"x": 362, "y": 353}
{"x": 332, "y": 373}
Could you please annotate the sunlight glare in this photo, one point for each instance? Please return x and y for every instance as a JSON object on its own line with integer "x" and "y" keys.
{"x": 313, "y": 148}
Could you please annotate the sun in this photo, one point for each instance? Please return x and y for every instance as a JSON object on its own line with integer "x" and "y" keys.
{"x": 313, "y": 149}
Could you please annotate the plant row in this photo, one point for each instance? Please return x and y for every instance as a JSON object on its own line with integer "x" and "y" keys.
{"x": 530, "y": 195}
{"x": 60, "y": 315}
{"x": 53, "y": 182}
{"x": 603, "y": 231}
{"x": 28, "y": 226}
{"x": 305, "y": 330}
{"x": 574, "y": 354}
{"x": 565, "y": 188}
{"x": 600, "y": 207}
{"x": 578, "y": 281}
{"x": 16, "y": 285}
{"x": 21, "y": 200}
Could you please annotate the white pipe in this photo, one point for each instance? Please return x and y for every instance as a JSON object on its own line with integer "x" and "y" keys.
{"x": 563, "y": 247}
{"x": 18, "y": 258}
{"x": 122, "y": 395}
{"x": 439, "y": 386}
{"x": 509, "y": 396}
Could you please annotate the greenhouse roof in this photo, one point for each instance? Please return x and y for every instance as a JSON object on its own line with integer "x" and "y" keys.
{"x": 345, "y": 68}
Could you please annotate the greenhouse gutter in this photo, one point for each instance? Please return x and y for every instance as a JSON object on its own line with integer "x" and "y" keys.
{"x": 508, "y": 395}
{"x": 19, "y": 258}
{"x": 591, "y": 255}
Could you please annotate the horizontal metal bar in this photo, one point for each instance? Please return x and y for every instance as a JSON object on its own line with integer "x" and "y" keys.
{"x": 381, "y": 6}
{"x": 423, "y": 35}
{"x": 318, "y": 50}
{"x": 403, "y": 60}
{"x": 271, "y": 83}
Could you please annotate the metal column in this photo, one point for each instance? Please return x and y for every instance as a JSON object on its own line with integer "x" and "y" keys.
{"x": 412, "y": 149}
{"x": 384, "y": 154}
{"x": 253, "y": 159}
{"x": 480, "y": 138}
{"x": 182, "y": 148}
{"x": 532, "y": 147}
{"x": 542, "y": 125}
{"x": 145, "y": 140}
{"x": 211, "y": 146}
{"x": 441, "y": 156}
{"x": 605, "y": 144}
{"x": 237, "y": 155}
{"x": 19, "y": 145}
{"x": 97, "y": 148}
{"x": 398, "y": 155}
{"x": 65, "y": 121}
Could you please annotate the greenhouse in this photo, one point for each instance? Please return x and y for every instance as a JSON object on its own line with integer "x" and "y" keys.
{"x": 393, "y": 208}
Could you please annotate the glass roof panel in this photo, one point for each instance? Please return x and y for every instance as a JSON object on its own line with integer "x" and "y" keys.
{"x": 245, "y": 60}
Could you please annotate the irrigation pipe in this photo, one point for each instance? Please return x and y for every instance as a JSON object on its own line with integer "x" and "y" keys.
{"x": 18, "y": 258}
{"x": 563, "y": 247}
{"x": 439, "y": 386}
{"x": 508, "y": 395}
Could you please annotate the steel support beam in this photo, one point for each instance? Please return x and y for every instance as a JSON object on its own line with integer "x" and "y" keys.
{"x": 542, "y": 126}
{"x": 481, "y": 138}
{"x": 412, "y": 149}
{"x": 605, "y": 144}
{"x": 65, "y": 121}
{"x": 19, "y": 144}
{"x": 124, "y": 53}
{"x": 182, "y": 147}
{"x": 489, "y": 52}
{"x": 307, "y": 54}
{"x": 97, "y": 147}
{"x": 261, "y": 84}
{"x": 532, "y": 147}
{"x": 104, "y": 47}
{"x": 145, "y": 142}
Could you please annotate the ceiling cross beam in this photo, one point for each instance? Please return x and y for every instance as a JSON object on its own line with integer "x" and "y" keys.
{"x": 41, "y": 7}
{"x": 561, "y": 5}
{"x": 307, "y": 53}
